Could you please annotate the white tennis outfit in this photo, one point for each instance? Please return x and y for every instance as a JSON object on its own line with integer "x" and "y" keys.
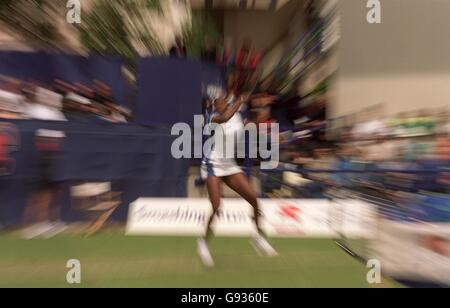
{"x": 220, "y": 162}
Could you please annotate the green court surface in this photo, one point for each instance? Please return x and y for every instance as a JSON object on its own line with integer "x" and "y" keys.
{"x": 119, "y": 261}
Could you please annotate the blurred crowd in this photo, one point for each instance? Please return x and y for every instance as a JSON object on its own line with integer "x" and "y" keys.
{"x": 406, "y": 153}
{"x": 420, "y": 135}
{"x": 60, "y": 101}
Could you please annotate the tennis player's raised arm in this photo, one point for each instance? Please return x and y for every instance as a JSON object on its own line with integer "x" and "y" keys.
{"x": 230, "y": 111}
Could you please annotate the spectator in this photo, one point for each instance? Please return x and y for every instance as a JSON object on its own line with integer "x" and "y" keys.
{"x": 226, "y": 54}
{"x": 11, "y": 100}
{"x": 246, "y": 62}
{"x": 42, "y": 215}
{"x": 209, "y": 52}
{"x": 247, "y": 58}
{"x": 43, "y": 104}
{"x": 261, "y": 102}
{"x": 178, "y": 50}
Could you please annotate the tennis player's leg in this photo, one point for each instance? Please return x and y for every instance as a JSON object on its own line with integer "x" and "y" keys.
{"x": 213, "y": 185}
{"x": 240, "y": 184}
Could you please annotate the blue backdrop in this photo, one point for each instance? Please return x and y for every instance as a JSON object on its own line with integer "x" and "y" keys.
{"x": 45, "y": 67}
{"x": 135, "y": 159}
{"x": 169, "y": 91}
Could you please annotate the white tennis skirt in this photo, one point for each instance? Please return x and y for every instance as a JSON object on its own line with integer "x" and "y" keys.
{"x": 219, "y": 168}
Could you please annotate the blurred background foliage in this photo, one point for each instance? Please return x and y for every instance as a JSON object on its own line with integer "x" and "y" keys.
{"x": 33, "y": 21}
{"x": 127, "y": 28}
{"x": 121, "y": 27}
{"x": 203, "y": 29}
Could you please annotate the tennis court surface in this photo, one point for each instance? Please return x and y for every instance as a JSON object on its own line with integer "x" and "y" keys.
{"x": 113, "y": 260}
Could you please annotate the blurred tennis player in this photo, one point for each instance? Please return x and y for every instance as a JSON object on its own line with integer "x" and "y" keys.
{"x": 217, "y": 168}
